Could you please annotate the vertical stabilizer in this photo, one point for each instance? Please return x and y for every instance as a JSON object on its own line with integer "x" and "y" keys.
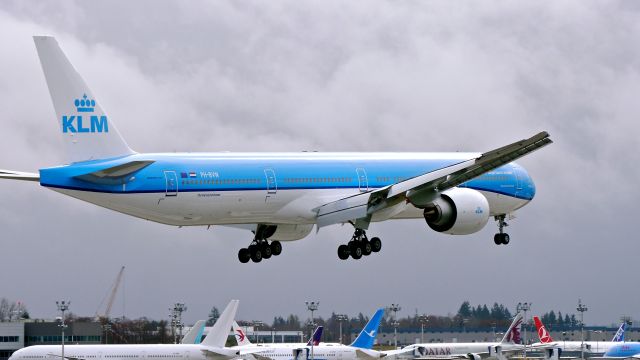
{"x": 195, "y": 333}
{"x": 88, "y": 132}
{"x": 315, "y": 338}
{"x": 619, "y": 336}
{"x": 543, "y": 333}
{"x": 513, "y": 334}
{"x": 241, "y": 338}
{"x": 218, "y": 334}
{"x": 367, "y": 336}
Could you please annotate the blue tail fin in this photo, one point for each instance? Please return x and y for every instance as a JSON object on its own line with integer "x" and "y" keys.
{"x": 367, "y": 336}
{"x": 315, "y": 338}
{"x": 619, "y": 336}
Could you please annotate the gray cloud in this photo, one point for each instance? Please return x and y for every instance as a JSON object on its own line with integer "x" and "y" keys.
{"x": 334, "y": 76}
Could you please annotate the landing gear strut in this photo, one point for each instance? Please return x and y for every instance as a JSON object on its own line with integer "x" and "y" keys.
{"x": 359, "y": 246}
{"x": 260, "y": 248}
{"x": 501, "y": 237}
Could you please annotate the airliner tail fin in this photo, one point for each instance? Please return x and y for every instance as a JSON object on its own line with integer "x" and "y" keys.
{"x": 88, "y": 132}
{"x": 543, "y": 333}
{"x": 512, "y": 335}
{"x": 367, "y": 336}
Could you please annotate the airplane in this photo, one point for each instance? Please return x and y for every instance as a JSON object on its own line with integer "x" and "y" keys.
{"x": 360, "y": 349}
{"x": 623, "y": 351}
{"x": 592, "y": 347}
{"x": 243, "y": 340}
{"x": 213, "y": 346}
{"x": 278, "y": 196}
{"x": 511, "y": 342}
{"x": 194, "y": 335}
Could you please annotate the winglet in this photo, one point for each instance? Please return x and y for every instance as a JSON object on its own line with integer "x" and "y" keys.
{"x": 218, "y": 334}
{"x": 367, "y": 336}
{"x": 543, "y": 333}
{"x": 315, "y": 338}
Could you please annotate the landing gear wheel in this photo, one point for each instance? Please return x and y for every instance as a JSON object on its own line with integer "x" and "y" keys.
{"x": 505, "y": 239}
{"x": 266, "y": 250}
{"x": 366, "y": 248}
{"x": 244, "y": 255}
{"x": 276, "y": 248}
{"x": 256, "y": 253}
{"x": 376, "y": 244}
{"x": 497, "y": 239}
{"x": 343, "y": 252}
{"x": 356, "y": 250}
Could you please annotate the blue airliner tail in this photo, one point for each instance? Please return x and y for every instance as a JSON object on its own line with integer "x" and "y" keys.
{"x": 619, "y": 336}
{"x": 315, "y": 338}
{"x": 367, "y": 336}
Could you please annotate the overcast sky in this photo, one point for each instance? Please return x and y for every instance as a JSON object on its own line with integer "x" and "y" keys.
{"x": 333, "y": 76}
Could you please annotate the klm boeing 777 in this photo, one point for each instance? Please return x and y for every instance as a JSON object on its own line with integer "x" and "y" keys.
{"x": 278, "y": 196}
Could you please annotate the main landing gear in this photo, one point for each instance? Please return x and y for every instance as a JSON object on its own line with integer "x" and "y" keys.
{"x": 260, "y": 247}
{"x": 501, "y": 237}
{"x": 359, "y": 246}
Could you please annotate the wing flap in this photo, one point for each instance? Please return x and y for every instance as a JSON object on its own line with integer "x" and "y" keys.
{"x": 19, "y": 175}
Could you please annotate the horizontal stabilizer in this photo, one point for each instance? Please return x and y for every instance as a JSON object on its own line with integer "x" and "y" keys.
{"x": 115, "y": 175}
{"x": 19, "y": 175}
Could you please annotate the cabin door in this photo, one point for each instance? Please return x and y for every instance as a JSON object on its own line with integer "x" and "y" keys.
{"x": 363, "y": 183}
{"x": 171, "y": 181}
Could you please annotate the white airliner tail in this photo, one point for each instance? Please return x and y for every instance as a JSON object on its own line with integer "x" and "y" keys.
{"x": 218, "y": 334}
{"x": 195, "y": 333}
{"x": 513, "y": 334}
{"x": 241, "y": 338}
{"x": 88, "y": 133}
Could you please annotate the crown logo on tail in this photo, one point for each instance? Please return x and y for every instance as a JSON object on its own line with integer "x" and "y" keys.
{"x": 85, "y": 104}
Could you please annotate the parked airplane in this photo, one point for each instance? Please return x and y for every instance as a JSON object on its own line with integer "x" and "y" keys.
{"x": 211, "y": 347}
{"x": 243, "y": 340}
{"x": 511, "y": 342}
{"x": 361, "y": 348}
{"x": 278, "y": 196}
{"x": 592, "y": 347}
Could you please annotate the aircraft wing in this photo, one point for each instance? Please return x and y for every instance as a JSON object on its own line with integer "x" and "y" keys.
{"x": 427, "y": 186}
{"x": 19, "y": 175}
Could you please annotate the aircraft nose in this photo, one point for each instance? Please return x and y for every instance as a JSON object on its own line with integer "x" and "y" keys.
{"x": 526, "y": 186}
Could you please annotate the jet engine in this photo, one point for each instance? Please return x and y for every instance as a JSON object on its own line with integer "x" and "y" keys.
{"x": 458, "y": 211}
{"x": 288, "y": 232}
{"x": 472, "y": 356}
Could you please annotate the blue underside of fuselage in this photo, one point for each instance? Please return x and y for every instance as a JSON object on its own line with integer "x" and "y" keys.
{"x": 171, "y": 173}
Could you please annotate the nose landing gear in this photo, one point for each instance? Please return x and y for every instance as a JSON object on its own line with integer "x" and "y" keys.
{"x": 359, "y": 246}
{"x": 501, "y": 237}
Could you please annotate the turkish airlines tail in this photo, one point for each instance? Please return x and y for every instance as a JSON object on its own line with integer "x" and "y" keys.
{"x": 543, "y": 333}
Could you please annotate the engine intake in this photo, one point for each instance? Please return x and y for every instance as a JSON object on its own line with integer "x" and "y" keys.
{"x": 458, "y": 211}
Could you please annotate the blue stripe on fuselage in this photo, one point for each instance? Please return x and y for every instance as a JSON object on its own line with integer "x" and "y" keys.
{"x": 221, "y": 172}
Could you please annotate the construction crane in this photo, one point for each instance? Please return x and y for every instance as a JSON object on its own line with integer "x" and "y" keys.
{"x": 113, "y": 290}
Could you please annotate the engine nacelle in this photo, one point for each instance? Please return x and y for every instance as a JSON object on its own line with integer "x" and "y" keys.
{"x": 472, "y": 356}
{"x": 287, "y": 232}
{"x": 458, "y": 211}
